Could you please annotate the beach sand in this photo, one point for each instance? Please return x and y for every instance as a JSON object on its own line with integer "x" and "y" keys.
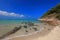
{"x": 48, "y": 33}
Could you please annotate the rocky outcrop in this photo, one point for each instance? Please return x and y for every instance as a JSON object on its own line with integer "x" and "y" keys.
{"x": 52, "y": 16}
{"x": 51, "y": 19}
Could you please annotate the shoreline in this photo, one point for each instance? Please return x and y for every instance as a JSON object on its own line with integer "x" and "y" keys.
{"x": 25, "y": 34}
{"x": 41, "y": 33}
{"x": 40, "y": 36}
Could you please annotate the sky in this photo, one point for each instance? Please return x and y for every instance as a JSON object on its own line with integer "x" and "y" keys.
{"x": 25, "y": 9}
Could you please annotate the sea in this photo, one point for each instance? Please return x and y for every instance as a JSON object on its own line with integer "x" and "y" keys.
{"x": 16, "y": 21}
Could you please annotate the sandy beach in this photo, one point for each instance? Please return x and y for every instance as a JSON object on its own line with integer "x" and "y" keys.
{"x": 48, "y": 33}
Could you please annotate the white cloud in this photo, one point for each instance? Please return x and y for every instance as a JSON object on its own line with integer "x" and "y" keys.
{"x": 4, "y": 13}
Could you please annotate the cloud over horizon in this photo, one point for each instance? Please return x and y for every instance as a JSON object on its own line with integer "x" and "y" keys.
{"x": 5, "y": 13}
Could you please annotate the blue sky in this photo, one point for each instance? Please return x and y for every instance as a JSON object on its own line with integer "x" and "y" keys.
{"x": 21, "y": 9}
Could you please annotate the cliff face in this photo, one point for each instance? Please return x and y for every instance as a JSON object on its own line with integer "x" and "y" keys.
{"x": 52, "y": 16}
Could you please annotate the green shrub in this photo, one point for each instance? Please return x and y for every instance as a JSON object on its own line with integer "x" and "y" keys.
{"x": 56, "y": 10}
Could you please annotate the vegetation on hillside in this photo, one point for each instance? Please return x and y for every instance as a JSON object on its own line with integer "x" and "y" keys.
{"x": 54, "y": 10}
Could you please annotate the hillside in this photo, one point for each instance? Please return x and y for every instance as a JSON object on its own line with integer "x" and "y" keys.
{"x": 55, "y": 10}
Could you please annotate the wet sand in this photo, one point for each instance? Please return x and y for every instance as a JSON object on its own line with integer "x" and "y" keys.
{"x": 48, "y": 33}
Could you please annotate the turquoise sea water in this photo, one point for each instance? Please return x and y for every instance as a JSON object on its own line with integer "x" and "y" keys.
{"x": 3, "y": 22}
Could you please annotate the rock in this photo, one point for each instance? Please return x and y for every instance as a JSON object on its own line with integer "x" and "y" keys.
{"x": 25, "y": 26}
{"x": 35, "y": 29}
{"x": 26, "y": 31}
